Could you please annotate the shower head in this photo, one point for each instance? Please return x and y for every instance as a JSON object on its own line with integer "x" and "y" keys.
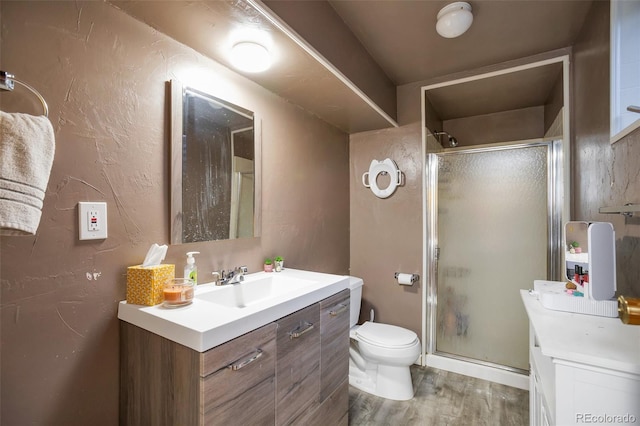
{"x": 453, "y": 142}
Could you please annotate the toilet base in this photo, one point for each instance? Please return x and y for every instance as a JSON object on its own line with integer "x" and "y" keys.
{"x": 385, "y": 381}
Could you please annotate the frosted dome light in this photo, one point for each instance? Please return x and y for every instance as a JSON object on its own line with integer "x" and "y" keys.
{"x": 249, "y": 56}
{"x": 454, "y": 19}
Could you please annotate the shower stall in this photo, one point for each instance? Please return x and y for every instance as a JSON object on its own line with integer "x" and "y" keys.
{"x": 493, "y": 215}
{"x": 494, "y": 226}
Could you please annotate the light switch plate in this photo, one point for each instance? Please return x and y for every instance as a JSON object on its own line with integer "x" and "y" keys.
{"x": 92, "y": 220}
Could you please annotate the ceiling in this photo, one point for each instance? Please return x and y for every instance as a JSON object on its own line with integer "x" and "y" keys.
{"x": 506, "y": 92}
{"x": 296, "y": 75}
{"x": 397, "y": 37}
{"x": 401, "y": 35}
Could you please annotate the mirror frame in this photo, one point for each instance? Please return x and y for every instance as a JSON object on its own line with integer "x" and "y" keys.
{"x": 176, "y": 133}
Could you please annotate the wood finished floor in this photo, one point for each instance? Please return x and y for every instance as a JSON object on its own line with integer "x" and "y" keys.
{"x": 443, "y": 398}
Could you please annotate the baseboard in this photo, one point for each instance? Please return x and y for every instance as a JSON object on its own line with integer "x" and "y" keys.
{"x": 493, "y": 374}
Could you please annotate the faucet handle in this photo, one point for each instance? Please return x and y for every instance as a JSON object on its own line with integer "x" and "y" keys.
{"x": 243, "y": 269}
{"x": 216, "y": 277}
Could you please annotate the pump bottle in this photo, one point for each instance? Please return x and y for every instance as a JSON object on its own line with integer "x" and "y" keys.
{"x": 190, "y": 269}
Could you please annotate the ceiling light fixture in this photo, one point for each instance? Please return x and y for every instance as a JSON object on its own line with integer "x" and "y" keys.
{"x": 249, "y": 56}
{"x": 454, "y": 19}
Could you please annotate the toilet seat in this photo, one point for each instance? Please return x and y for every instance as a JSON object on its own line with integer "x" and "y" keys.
{"x": 386, "y": 335}
{"x": 387, "y": 166}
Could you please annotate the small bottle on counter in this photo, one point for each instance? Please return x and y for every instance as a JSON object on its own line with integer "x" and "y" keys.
{"x": 190, "y": 269}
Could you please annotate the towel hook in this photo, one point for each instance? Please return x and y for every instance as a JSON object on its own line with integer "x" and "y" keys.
{"x": 7, "y": 81}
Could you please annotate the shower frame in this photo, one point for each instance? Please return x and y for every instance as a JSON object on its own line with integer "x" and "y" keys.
{"x": 558, "y": 213}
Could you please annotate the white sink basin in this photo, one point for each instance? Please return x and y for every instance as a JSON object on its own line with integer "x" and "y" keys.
{"x": 221, "y": 313}
{"x": 253, "y": 290}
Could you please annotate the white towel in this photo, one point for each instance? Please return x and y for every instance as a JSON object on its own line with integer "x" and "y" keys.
{"x": 27, "y": 145}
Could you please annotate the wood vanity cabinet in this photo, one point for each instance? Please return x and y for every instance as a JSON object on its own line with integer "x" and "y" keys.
{"x": 165, "y": 383}
{"x": 237, "y": 380}
{"x": 312, "y": 368}
{"x": 298, "y": 366}
{"x": 334, "y": 359}
{"x": 292, "y": 371}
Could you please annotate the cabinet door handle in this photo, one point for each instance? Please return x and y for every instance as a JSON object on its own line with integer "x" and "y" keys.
{"x": 300, "y": 330}
{"x": 633, "y": 108}
{"x": 237, "y": 365}
{"x": 337, "y": 310}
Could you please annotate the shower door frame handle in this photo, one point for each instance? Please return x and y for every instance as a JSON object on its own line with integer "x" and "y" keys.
{"x": 432, "y": 252}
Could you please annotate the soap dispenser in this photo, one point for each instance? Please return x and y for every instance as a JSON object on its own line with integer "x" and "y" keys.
{"x": 190, "y": 269}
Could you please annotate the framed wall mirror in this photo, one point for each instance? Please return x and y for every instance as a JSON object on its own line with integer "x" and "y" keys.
{"x": 215, "y": 168}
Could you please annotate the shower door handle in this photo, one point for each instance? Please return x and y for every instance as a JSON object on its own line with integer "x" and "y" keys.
{"x": 436, "y": 253}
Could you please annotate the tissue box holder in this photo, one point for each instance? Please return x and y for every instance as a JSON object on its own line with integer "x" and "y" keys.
{"x": 145, "y": 284}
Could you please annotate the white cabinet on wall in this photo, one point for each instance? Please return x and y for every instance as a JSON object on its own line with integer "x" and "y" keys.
{"x": 584, "y": 369}
{"x": 625, "y": 67}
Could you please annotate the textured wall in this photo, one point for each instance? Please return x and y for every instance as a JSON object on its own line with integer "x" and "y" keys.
{"x": 554, "y": 104}
{"x": 104, "y": 76}
{"x": 386, "y": 234}
{"x": 505, "y": 126}
{"x": 604, "y": 174}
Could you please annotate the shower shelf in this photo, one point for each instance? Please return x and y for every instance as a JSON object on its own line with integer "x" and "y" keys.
{"x": 627, "y": 210}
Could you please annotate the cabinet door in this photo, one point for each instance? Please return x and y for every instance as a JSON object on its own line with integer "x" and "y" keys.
{"x": 538, "y": 415}
{"x": 334, "y": 341}
{"x": 238, "y": 380}
{"x": 298, "y": 365}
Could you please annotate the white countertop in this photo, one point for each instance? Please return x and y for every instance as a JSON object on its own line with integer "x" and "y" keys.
{"x": 587, "y": 339}
{"x": 203, "y": 325}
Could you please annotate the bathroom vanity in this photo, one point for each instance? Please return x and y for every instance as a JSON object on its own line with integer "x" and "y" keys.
{"x": 187, "y": 366}
{"x": 584, "y": 368}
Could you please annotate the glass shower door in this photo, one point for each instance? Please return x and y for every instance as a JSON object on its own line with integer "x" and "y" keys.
{"x": 492, "y": 240}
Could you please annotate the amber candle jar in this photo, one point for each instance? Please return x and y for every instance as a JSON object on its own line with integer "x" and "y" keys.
{"x": 178, "y": 292}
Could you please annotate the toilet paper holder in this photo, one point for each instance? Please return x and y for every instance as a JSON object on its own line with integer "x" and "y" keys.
{"x": 412, "y": 278}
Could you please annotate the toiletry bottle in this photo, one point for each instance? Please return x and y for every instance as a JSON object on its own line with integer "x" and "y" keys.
{"x": 190, "y": 269}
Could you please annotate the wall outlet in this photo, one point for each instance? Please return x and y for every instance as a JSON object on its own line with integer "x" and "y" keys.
{"x": 92, "y": 220}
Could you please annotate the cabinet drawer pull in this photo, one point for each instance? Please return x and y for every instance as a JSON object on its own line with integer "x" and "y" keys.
{"x": 300, "y": 330}
{"x": 238, "y": 365}
{"x": 337, "y": 310}
{"x": 633, "y": 108}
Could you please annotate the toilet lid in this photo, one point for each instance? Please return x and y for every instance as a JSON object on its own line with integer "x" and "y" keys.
{"x": 386, "y": 335}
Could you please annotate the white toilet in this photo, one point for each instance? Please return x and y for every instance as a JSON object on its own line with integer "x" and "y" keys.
{"x": 380, "y": 354}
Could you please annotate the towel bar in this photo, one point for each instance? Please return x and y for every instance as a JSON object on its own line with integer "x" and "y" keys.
{"x": 7, "y": 81}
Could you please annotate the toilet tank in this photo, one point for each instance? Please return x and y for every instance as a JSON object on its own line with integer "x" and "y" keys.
{"x": 355, "y": 285}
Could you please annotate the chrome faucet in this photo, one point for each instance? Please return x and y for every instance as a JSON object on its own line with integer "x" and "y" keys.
{"x": 234, "y": 276}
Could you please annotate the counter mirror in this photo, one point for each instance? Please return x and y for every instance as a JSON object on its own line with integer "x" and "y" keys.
{"x": 215, "y": 150}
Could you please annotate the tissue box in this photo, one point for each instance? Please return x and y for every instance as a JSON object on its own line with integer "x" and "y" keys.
{"x": 145, "y": 284}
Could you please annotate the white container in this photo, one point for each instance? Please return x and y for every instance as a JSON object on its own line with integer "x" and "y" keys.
{"x": 597, "y": 259}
